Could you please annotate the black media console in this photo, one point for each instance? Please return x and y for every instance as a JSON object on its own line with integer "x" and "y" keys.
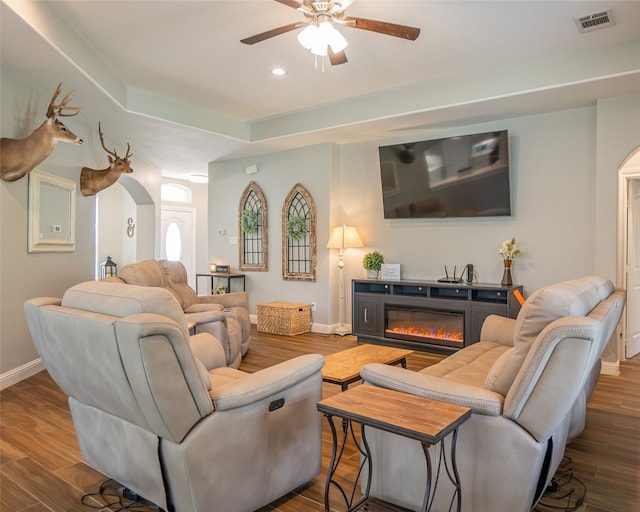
{"x": 427, "y": 315}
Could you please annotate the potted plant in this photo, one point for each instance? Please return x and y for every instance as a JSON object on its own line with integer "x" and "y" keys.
{"x": 372, "y": 262}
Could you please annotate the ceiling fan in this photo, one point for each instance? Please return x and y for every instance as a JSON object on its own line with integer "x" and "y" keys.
{"x": 320, "y": 36}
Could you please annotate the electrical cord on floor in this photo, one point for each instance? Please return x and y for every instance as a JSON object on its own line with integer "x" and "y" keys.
{"x": 117, "y": 498}
{"x": 567, "y": 496}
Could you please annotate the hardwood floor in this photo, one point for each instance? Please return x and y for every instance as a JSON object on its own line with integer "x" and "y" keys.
{"x": 41, "y": 469}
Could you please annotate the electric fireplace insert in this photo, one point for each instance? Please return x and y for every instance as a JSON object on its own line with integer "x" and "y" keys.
{"x": 424, "y": 325}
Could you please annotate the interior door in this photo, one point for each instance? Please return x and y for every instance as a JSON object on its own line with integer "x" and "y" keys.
{"x": 633, "y": 272}
{"x": 178, "y": 238}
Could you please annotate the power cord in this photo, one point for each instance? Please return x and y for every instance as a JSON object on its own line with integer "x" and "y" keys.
{"x": 117, "y": 498}
{"x": 563, "y": 489}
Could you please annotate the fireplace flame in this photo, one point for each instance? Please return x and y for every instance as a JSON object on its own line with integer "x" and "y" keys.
{"x": 434, "y": 332}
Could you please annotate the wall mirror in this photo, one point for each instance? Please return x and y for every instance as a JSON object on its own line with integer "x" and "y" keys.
{"x": 52, "y": 213}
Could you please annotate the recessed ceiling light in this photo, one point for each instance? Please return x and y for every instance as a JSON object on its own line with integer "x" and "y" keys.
{"x": 199, "y": 178}
{"x": 278, "y": 71}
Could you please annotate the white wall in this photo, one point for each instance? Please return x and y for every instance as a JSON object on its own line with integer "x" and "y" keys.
{"x": 553, "y": 171}
{"x": 564, "y": 168}
{"x": 277, "y": 174}
{"x": 23, "y": 275}
{"x": 618, "y": 134}
{"x": 115, "y": 207}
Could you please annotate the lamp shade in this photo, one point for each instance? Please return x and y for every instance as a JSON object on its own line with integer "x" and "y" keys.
{"x": 344, "y": 237}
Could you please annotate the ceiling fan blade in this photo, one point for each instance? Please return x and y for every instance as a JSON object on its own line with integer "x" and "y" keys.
{"x": 336, "y": 58}
{"x": 382, "y": 27}
{"x": 294, "y": 4}
{"x": 271, "y": 33}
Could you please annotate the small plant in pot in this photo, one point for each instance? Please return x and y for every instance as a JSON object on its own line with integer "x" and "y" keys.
{"x": 372, "y": 262}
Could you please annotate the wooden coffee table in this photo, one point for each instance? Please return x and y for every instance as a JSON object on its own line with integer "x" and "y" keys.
{"x": 344, "y": 367}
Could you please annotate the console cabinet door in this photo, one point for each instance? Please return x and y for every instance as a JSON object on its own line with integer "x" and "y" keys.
{"x": 366, "y": 316}
{"x": 478, "y": 315}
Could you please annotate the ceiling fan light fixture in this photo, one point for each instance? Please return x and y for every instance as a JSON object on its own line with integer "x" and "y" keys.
{"x": 318, "y": 38}
{"x": 307, "y": 36}
{"x": 325, "y": 29}
{"x": 319, "y": 48}
{"x": 337, "y": 41}
{"x": 319, "y": 32}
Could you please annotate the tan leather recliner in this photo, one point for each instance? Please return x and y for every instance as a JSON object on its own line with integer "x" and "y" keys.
{"x": 148, "y": 414}
{"x": 527, "y": 383}
{"x": 224, "y": 316}
{"x": 235, "y": 303}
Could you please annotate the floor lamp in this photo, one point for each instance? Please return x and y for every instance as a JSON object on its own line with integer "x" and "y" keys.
{"x": 343, "y": 237}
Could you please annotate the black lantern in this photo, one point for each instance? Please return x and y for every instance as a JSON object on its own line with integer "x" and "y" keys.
{"x": 109, "y": 268}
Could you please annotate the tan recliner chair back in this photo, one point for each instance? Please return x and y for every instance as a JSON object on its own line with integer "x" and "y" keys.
{"x": 148, "y": 414}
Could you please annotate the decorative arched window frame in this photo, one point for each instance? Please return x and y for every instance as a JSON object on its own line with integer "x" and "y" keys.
{"x": 254, "y": 247}
{"x": 299, "y": 256}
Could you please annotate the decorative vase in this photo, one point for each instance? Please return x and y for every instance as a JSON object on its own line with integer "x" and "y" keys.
{"x": 372, "y": 274}
{"x": 506, "y": 276}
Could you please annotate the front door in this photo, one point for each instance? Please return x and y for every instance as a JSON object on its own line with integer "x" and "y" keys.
{"x": 178, "y": 238}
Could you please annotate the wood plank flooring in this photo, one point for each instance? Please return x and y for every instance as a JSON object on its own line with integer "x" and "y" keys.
{"x": 41, "y": 469}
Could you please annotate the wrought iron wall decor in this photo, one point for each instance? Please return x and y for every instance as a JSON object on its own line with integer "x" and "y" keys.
{"x": 252, "y": 228}
{"x": 299, "y": 256}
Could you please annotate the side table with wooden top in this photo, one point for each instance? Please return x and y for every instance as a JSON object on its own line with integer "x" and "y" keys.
{"x": 225, "y": 276}
{"x": 425, "y": 420}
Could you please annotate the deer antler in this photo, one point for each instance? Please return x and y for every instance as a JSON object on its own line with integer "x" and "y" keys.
{"x": 50, "y": 110}
{"x": 56, "y": 110}
{"x": 113, "y": 153}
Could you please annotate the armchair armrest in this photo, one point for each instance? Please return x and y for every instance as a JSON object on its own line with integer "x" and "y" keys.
{"x": 479, "y": 400}
{"x": 206, "y": 316}
{"x": 498, "y": 329}
{"x": 203, "y": 307}
{"x": 208, "y": 350}
{"x": 265, "y": 383}
{"x": 226, "y": 300}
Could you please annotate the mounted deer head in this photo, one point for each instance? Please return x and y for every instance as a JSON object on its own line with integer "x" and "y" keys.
{"x": 18, "y": 157}
{"x": 93, "y": 181}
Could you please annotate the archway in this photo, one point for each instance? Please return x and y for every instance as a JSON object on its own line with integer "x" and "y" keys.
{"x": 125, "y": 223}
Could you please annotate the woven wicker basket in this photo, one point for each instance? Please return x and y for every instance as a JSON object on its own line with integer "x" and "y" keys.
{"x": 284, "y": 318}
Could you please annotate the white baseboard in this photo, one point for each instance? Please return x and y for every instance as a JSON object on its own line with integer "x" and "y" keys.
{"x": 20, "y": 373}
{"x": 610, "y": 368}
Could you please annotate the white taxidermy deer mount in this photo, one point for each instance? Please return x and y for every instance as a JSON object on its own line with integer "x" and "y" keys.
{"x": 93, "y": 181}
{"x": 19, "y": 157}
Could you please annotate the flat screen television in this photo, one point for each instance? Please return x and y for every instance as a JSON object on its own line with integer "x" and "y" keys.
{"x": 466, "y": 176}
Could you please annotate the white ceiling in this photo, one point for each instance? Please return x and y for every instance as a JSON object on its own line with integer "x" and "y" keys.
{"x": 173, "y": 80}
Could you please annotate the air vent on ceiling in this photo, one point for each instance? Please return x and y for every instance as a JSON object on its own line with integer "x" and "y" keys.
{"x": 595, "y": 21}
